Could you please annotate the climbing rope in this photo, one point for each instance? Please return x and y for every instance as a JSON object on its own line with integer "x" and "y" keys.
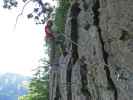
{"x": 68, "y": 38}
{"x": 71, "y": 40}
{"x": 104, "y": 64}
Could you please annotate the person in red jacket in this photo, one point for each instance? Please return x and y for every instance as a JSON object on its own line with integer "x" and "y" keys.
{"x": 50, "y": 40}
{"x": 48, "y": 31}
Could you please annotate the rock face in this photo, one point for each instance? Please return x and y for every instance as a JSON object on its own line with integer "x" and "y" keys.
{"x": 99, "y": 60}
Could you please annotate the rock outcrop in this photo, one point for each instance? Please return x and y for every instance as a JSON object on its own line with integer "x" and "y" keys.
{"x": 99, "y": 60}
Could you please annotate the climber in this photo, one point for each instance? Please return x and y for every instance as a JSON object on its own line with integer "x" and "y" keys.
{"x": 50, "y": 40}
{"x": 48, "y": 31}
{"x": 53, "y": 41}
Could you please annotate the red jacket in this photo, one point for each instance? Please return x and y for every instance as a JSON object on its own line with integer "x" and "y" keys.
{"x": 48, "y": 34}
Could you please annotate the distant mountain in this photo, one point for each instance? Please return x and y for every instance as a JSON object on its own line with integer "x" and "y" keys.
{"x": 12, "y": 86}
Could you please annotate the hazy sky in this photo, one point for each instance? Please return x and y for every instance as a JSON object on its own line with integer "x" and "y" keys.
{"x": 20, "y": 49}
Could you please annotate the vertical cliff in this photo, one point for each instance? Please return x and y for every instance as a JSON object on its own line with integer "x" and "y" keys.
{"x": 98, "y": 64}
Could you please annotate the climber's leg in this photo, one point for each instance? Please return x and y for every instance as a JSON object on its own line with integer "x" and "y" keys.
{"x": 51, "y": 49}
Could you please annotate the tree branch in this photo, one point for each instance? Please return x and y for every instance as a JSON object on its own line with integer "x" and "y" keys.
{"x": 21, "y": 13}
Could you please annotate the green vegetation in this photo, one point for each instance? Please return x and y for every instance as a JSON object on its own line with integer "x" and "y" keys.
{"x": 60, "y": 15}
{"x": 38, "y": 87}
{"x": 59, "y": 18}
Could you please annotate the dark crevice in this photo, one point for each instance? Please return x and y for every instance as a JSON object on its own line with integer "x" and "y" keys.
{"x": 94, "y": 51}
{"x": 83, "y": 73}
{"x": 111, "y": 84}
{"x": 69, "y": 75}
{"x": 96, "y": 22}
{"x": 124, "y": 35}
{"x": 74, "y": 30}
{"x": 58, "y": 94}
{"x": 87, "y": 27}
{"x": 74, "y": 37}
{"x": 65, "y": 53}
{"x": 85, "y": 5}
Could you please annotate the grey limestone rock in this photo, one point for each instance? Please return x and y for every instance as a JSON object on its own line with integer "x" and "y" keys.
{"x": 100, "y": 66}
